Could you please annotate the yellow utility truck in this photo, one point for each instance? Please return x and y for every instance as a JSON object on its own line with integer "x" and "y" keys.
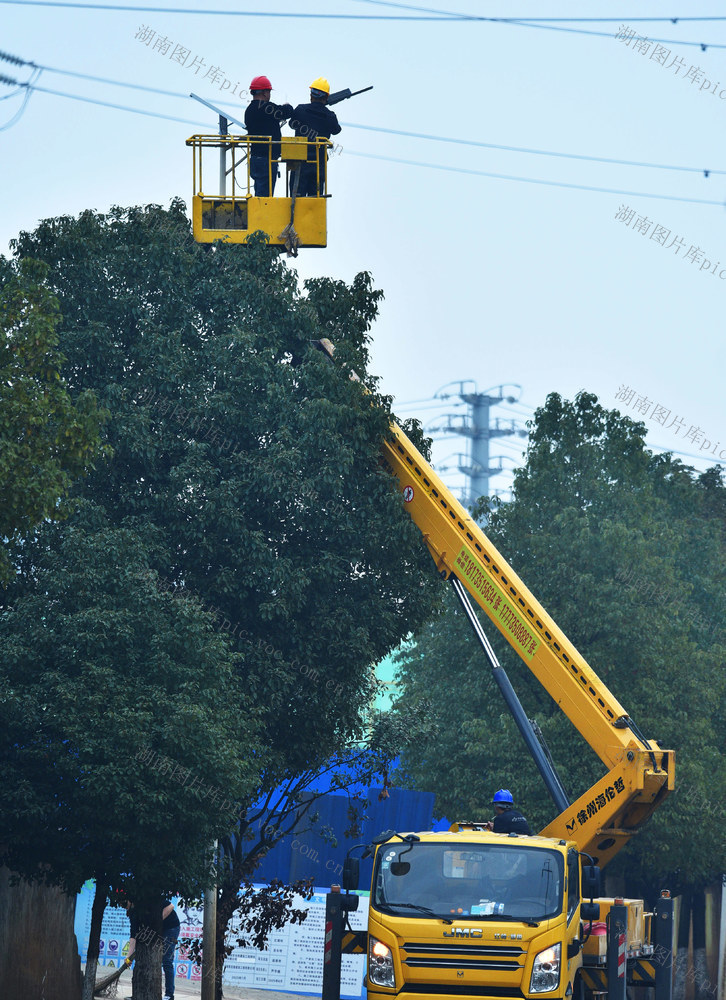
{"x": 475, "y": 914}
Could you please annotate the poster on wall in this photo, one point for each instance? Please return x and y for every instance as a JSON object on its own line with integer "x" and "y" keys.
{"x": 291, "y": 963}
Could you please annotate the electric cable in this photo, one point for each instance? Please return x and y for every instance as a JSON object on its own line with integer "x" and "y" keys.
{"x": 535, "y": 180}
{"x": 410, "y": 402}
{"x": 9, "y": 82}
{"x": 546, "y": 23}
{"x": 420, "y": 409}
{"x": 577, "y": 20}
{"x": 525, "y": 149}
{"x": 605, "y": 34}
{"x": 104, "y": 104}
{"x": 306, "y": 15}
{"x": 26, "y": 98}
{"x": 95, "y": 79}
{"x": 687, "y": 454}
{"x": 387, "y": 159}
{"x": 118, "y": 83}
{"x": 390, "y": 131}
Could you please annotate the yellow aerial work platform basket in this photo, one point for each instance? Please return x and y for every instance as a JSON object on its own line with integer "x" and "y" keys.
{"x": 233, "y": 212}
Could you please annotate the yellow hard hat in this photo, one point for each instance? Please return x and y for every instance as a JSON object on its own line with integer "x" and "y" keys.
{"x": 320, "y": 84}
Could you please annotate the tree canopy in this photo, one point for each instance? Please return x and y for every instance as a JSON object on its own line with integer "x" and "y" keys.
{"x": 46, "y": 438}
{"x": 235, "y": 563}
{"x": 625, "y": 549}
{"x": 98, "y": 668}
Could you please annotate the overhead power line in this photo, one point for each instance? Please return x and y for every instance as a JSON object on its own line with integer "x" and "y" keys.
{"x": 118, "y": 83}
{"x": 606, "y": 34}
{"x": 16, "y": 60}
{"x": 706, "y": 171}
{"x": 374, "y": 156}
{"x": 241, "y": 13}
{"x": 534, "y": 180}
{"x": 536, "y": 152}
{"x": 442, "y": 16}
{"x": 687, "y": 454}
{"x": 552, "y": 23}
{"x": 575, "y": 20}
{"x": 417, "y": 14}
{"x": 30, "y": 87}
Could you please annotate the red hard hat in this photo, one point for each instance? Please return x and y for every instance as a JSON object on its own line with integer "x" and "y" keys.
{"x": 260, "y": 83}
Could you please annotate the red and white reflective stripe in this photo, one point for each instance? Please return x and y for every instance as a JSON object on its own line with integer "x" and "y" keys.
{"x": 328, "y": 941}
{"x": 621, "y": 956}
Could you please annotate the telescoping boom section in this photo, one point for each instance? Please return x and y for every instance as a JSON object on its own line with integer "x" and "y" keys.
{"x": 641, "y": 774}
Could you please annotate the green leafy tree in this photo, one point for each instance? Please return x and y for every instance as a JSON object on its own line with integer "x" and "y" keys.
{"x": 290, "y": 809}
{"x": 247, "y": 459}
{"x": 247, "y": 463}
{"x": 120, "y": 712}
{"x": 625, "y": 549}
{"x": 47, "y": 439}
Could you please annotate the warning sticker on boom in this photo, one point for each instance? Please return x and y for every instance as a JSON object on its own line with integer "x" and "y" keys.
{"x": 521, "y": 636}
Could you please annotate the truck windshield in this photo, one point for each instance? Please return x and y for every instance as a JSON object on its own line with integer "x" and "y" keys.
{"x": 484, "y": 881}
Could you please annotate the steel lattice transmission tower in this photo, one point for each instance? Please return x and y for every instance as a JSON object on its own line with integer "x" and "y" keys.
{"x": 477, "y": 425}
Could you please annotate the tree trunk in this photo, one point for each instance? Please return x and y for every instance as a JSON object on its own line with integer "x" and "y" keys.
{"x": 149, "y": 948}
{"x": 38, "y": 949}
{"x": 226, "y": 905}
{"x": 99, "y": 905}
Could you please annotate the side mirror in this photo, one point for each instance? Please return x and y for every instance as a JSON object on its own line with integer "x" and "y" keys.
{"x": 351, "y": 874}
{"x": 573, "y": 948}
{"x": 590, "y": 881}
{"x": 590, "y": 911}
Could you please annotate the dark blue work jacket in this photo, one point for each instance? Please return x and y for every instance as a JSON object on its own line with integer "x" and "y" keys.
{"x": 265, "y": 118}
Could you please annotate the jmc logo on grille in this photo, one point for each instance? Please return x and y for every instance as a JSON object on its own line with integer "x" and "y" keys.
{"x": 475, "y": 932}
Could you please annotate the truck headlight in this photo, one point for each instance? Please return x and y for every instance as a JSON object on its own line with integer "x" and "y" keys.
{"x": 380, "y": 964}
{"x": 546, "y": 970}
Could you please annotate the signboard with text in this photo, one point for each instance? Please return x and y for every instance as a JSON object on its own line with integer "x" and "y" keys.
{"x": 291, "y": 963}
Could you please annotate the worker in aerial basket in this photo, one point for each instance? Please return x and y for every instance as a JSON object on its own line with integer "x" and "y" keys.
{"x": 263, "y": 118}
{"x": 314, "y": 121}
{"x": 507, "y": 819}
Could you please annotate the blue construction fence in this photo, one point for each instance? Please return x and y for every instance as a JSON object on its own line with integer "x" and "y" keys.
{"x": 318, "y": 849}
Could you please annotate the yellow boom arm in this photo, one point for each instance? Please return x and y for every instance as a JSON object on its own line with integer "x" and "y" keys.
{"x": 640, "y": 775}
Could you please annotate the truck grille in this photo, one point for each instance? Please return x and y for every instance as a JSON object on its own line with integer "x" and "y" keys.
{"x": 505, "y": 951}
{"x": 460, "y": 963}
{"x": 450, "y": 989}
{"x": 456, "y": 956}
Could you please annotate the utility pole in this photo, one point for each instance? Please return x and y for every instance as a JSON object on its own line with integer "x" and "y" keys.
{"x": 477, "y": 426}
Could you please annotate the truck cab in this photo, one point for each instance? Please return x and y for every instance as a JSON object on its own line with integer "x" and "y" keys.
{"x": 474, "y": 913}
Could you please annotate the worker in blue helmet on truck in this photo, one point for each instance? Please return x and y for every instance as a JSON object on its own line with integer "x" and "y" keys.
{"x": 507, "y": 819}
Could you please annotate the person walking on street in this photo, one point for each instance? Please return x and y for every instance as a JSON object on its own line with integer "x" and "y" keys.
{"x": 263, "y": 118}
{"x": 315, "y": 121}
{"x": 170, "y": 928}
{"x": 507, "y": 818}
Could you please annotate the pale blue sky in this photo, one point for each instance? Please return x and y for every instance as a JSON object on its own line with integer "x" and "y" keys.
{"x": 487, "y": 279}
